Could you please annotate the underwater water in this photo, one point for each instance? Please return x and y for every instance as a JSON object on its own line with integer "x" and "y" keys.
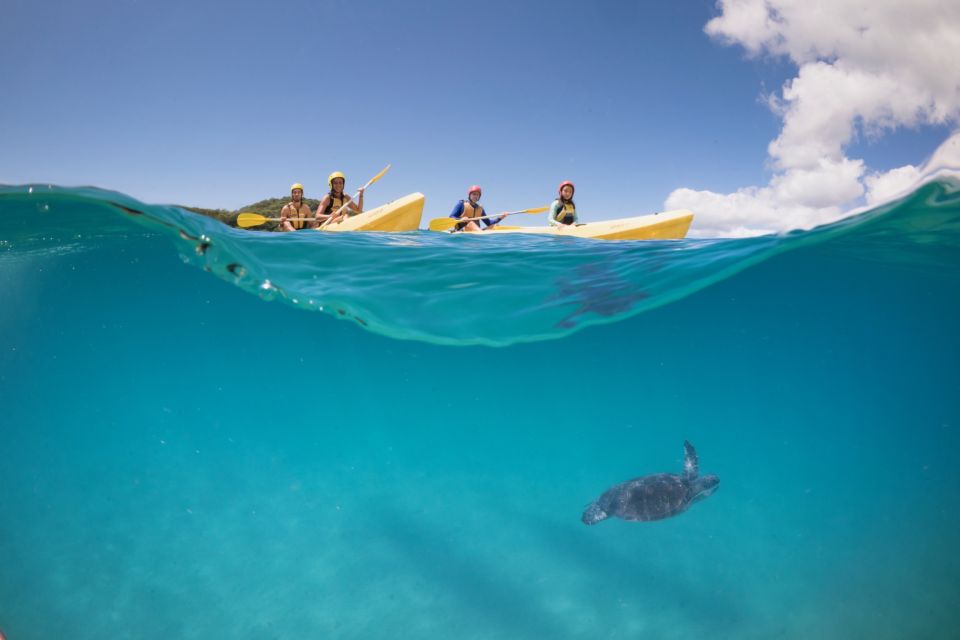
{"x": 214, "y": 433}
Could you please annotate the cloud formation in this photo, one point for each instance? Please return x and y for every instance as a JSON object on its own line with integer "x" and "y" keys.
{"x": 864, "y": 68}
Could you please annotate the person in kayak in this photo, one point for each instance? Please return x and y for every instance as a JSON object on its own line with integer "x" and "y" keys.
{"x": 470, "y": 209}
{"x": 336, "y": 198}
{"x": 563, "y": 211}
{"x": 296, "y": 214}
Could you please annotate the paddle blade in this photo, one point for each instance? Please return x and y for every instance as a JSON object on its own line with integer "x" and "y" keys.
{"x": 245, "y": 220}
{"x": 537, "y": 210}
{"x": 379, "y": 175}
{"x": 443, "y": 224}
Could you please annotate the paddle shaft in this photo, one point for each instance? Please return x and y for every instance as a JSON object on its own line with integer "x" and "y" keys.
{"x": 503, "y": 215}
{"x": 262, "y": 219}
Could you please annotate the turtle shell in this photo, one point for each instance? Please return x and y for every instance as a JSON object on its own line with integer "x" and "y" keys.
{"x": 648, "y": 498}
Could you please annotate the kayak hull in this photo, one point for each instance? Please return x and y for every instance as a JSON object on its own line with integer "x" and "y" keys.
{"x": 669, "y": 225}
{"x": 400, "y": 215}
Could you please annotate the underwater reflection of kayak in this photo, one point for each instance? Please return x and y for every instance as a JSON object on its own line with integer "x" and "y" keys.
{"x": 399, "y": 215}
{"x": 669, "y": 225}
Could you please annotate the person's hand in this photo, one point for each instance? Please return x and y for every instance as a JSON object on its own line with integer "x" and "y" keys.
{"x": 360, "y": 192}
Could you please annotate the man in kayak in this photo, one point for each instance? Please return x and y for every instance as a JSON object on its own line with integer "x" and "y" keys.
{"x": 336, "y": 198}
{"x": 469, "y": 210}
{"x": 296, "y": 214}
{"x": 563, "y": 212}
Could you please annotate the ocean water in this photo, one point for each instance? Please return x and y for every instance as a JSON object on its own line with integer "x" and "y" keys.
{"x": 214, "y": 433}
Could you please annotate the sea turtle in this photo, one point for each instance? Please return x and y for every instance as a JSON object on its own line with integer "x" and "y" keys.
{"x": 656, "y": 496}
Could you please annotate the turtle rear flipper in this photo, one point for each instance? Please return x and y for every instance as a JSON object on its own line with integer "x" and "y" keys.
{"x": 691, "y": 465}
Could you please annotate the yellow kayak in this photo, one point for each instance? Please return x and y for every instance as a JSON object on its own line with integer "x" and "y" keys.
{"x": 669, "y": 225}
{"x": 399, "y": 215}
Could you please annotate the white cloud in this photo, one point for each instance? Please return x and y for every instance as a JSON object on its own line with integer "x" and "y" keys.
{"x": 822, "y": 183}
{"x": 864, "y": 68}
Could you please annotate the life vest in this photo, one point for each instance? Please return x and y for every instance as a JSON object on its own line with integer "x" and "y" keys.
{"x": 471, "y": 211}
{"x": 566, "y": 215}
{"x": 336, "y": 203}
{"x": 299, "y": 221}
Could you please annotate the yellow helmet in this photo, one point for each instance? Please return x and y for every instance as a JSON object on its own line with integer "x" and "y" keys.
{"x": 296, "y": 185}
{"x": 335, "y": 174}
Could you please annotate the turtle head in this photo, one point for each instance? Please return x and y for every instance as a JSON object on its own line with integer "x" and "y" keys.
{"x": 704, "y": 486}
{"x": 594, "y": 514}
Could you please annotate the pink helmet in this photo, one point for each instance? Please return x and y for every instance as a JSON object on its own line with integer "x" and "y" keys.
{"x": 473, "y": 188}
{"x": 565, "y": 183}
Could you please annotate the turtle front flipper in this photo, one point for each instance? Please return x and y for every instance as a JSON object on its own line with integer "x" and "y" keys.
{"x": 691, "y": 465}
{"x": 594, "y": 514}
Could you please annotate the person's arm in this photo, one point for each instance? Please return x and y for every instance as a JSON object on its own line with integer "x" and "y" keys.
{"x": 311, "y": 221}
{"x": 489, "y": 222}
{"x": 284, "y": 221}
{"x": 554, "y": 210}
{"x": 356, "y": 207}
{"x": 457, "y": 211}
{"x": 322, "y": 217}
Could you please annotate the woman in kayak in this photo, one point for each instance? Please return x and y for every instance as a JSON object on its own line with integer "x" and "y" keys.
{"x": 563, "y": 211}
{"x": 471, "y": 209}
{"x": 296, "y": 214}
{"x": 336, "y": 198}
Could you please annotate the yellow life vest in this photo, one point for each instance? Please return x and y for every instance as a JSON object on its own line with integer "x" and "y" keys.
{"x": 299, "y": 221}
{"x": 471, "y": 211}
{"x": 336, "y": 203}
{"x": 568, "y": 211}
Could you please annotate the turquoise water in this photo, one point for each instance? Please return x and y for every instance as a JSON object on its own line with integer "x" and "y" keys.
{"x": 209, "y": 433}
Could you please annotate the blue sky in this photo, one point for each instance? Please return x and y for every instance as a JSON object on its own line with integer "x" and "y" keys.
{"x": 222, "y": 104}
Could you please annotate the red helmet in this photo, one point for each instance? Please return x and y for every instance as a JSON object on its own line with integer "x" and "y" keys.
{"x": 565, "y": 183}
{"x": 473, "y": 188}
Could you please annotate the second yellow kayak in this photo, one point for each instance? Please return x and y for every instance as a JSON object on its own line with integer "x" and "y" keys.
{"x": 669, "y": 225}
{"x": 400, "y": 215}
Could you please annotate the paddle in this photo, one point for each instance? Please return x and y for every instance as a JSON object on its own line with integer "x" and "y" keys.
{"x": 445, "y": 224}
{"x": 347, "y": 203}
{"x": 245, "y": 220}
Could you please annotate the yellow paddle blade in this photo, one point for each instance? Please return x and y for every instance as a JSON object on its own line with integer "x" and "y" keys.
{"x": 379, "y": 175}
{"x": 443, "y": 224}
{"x": 245, "y": 220}
{"x": 537, "y": 210}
